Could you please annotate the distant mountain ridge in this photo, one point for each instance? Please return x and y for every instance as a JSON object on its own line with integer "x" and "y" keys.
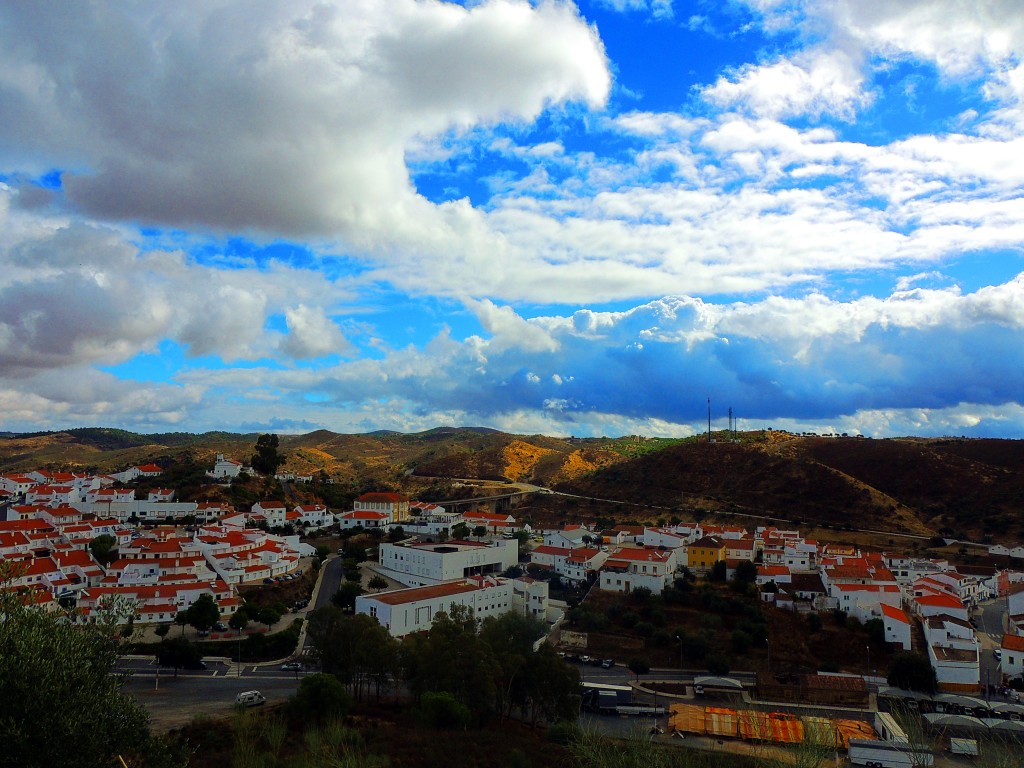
{"x": 955, "y": 487}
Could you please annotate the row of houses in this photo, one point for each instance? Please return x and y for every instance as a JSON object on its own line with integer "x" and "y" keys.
{"x": 54, "y": 562}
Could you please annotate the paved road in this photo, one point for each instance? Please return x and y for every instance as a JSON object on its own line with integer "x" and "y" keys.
{"x": 175, "y": 702}
{"x": 990, "y": 635}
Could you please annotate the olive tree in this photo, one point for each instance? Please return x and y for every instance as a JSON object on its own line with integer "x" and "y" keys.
{"x": 61, "y": 703}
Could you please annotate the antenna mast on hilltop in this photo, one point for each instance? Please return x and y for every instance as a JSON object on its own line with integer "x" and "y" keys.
{"x": 709, "y": 419}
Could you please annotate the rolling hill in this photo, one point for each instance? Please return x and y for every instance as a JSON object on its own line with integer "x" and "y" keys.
{"x": 954, "y": 487}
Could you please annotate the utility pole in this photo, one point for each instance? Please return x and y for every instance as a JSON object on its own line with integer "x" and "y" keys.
{"x": 709, "y": 420}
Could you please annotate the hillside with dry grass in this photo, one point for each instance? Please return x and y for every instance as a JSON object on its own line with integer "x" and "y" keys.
{"x": 970, "y": 489}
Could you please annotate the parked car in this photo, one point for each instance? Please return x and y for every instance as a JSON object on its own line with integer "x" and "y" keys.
{"x": 998, "y": 653}
{"x": 596, "y": 662}
{"x": 291, "y": 666}
{"x": 220, "y": 626}
{"x": 608, "y": 663}
{"x": 195, "y": 665}
{"x": 268, "y": 580}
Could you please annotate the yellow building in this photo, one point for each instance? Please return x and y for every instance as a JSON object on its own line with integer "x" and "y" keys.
{"x": 394, "y": 504}
{"x": 705, "y": 552}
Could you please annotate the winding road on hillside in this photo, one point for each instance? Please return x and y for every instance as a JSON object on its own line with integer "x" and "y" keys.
{"x": 529, "y": 488}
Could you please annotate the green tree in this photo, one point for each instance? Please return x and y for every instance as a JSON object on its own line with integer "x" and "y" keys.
{"x": 345, "y": 597}
{"x": 268, "y": 615}
{"x": 912, "y": 671}
{"x": 181, "y": 619}
{"x": 460, "y": 531}
{"x": 355, "y": 649}
{"x": 318, "y": 697}
{"x": 178, "y": 653}
{"x": 454, "y": 658}
{"x": 511, "y": 638}
{"x": 203, "y": 613}
{"x": 746, "y": 572}
{"x": 552, "y": 687}
{"x": 718, "y": 571}
{"x": 62, "y": 704}
{"x": 876, "y": 632}
{"x": 377, "y": 583}
{"x": 239, "y": 620}
{"x": 103, "y": 548}
{"x": 480, "y": 531}
{"x": 267, "y": 459}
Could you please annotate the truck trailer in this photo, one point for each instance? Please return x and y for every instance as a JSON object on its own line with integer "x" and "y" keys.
{"x": 885, "y": 754}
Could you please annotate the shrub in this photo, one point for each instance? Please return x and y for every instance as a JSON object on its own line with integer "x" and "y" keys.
{"x": 440, "y": 710}
{"x": 563, "y": 733}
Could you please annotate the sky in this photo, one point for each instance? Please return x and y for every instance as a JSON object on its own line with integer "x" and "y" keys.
{"x": 541, "y": 217}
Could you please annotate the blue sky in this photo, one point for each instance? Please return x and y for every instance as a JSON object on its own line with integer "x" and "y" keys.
{"x": 540, "y": 217}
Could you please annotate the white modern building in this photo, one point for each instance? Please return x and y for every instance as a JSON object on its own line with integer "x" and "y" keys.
{"x": 425, "y": 563}
{"x": 404, "y": 611}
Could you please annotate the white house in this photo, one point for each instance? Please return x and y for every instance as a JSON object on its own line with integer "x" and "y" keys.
{"x": 664, "y": 537}
{"x": 110, "y": 496}
{"x": 570, "y": 536}
{"x": 16, "y": 484}
{"x": 226, "y": 468}
{"x": 364, "y": 518}
{"x": 552, "y": 558}
{"x": 954, "y": 652}
{"x": 629, "y": 568}
{"x": 936, "y": 604}
{"x": 275, "y": 513}
{"x": 313, "y": 516}
{"x": 1012, "y": 661}
{"x": 493, "y": 522}
{"x": 897, "y": 626}
{"x": 404, "y": 611}
{"x": 582, "y": 562}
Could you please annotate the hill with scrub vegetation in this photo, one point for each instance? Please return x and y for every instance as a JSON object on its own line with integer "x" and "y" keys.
{"x": 958, "y": 488}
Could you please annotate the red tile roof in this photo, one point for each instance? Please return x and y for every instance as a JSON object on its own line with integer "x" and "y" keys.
{"x": 416, "y": 594}
{"x": 895, "y": 613}
{"x": 1013, "y": 642}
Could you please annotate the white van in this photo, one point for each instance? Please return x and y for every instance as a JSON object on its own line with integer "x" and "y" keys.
{"x": 250, "y": 699}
